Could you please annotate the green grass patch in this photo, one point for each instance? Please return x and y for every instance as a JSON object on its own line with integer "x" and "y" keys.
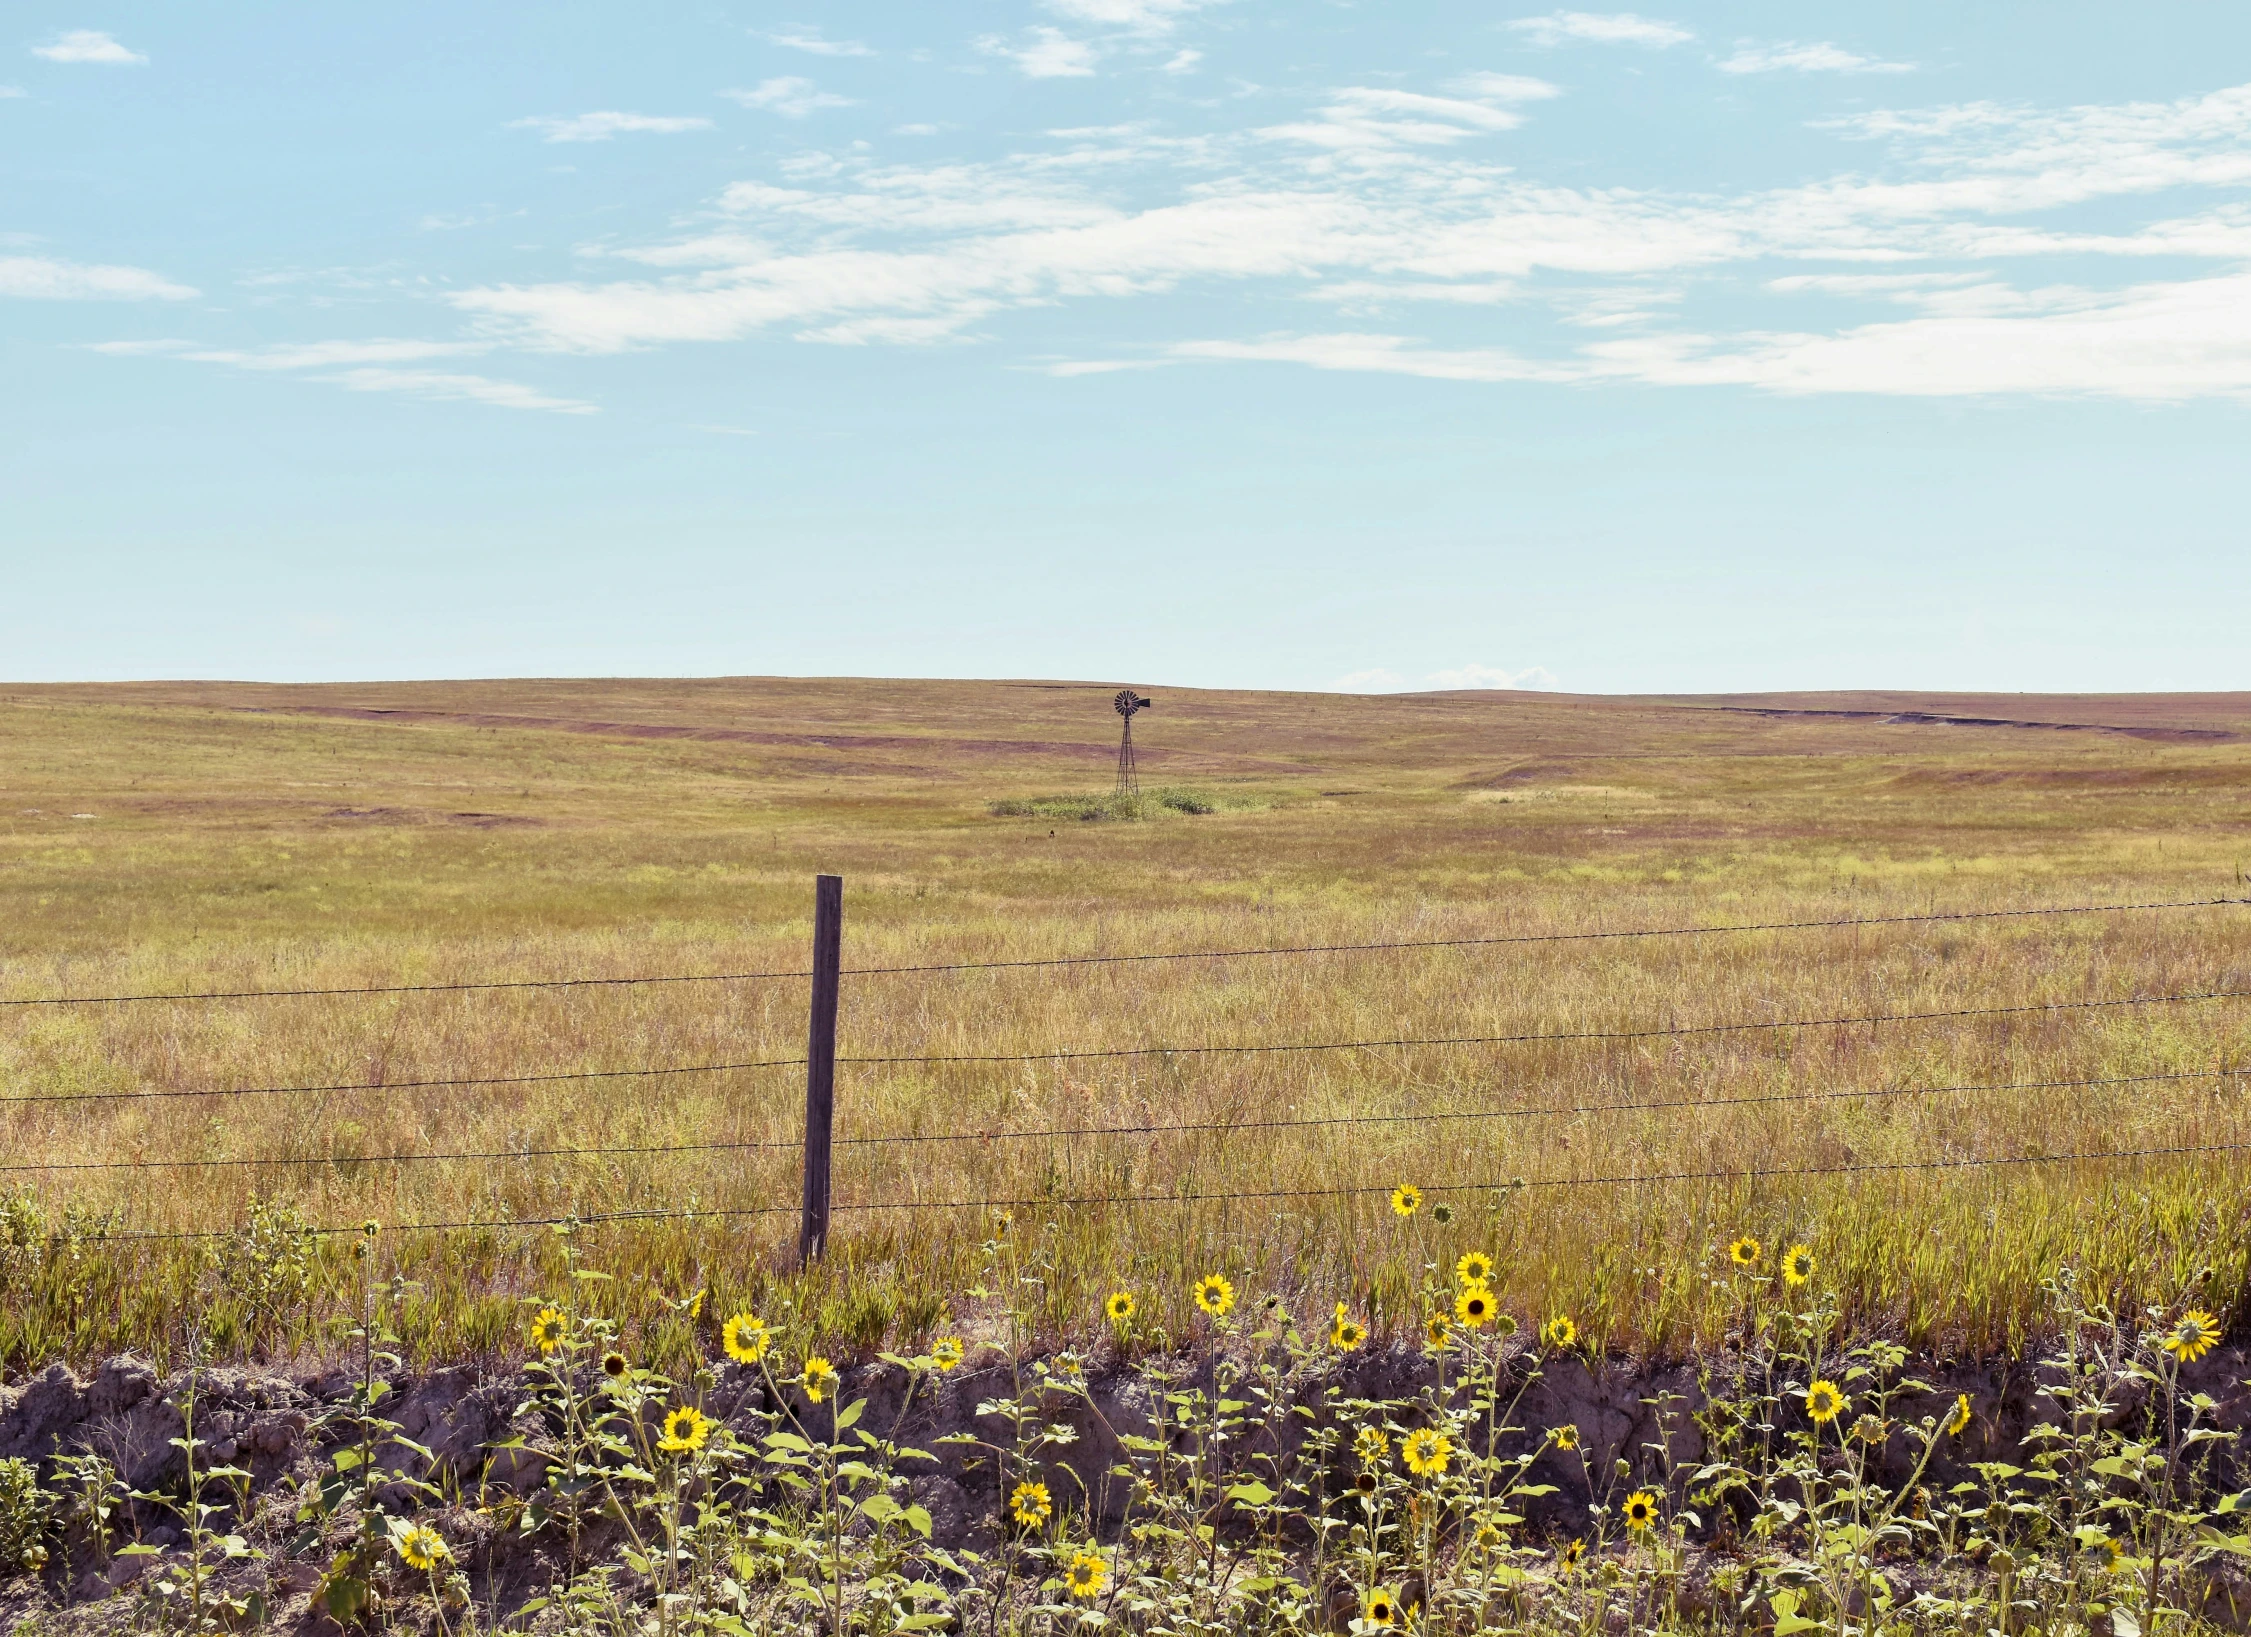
{"x": 1148, "y": 805}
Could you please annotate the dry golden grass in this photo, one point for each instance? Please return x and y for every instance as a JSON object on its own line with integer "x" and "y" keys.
{"x": 260, "y": 837}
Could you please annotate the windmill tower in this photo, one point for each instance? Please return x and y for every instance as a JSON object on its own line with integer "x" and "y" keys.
{"x": 1125, "y": 704}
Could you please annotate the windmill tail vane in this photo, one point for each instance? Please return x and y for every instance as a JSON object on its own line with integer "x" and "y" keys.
{"x": 1126, "y": 704}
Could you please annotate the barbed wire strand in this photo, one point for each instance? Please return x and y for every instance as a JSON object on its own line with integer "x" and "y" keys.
{"x": 1640, "y": 1179}
{"x": 792, "y": 1144}
{"x": 1564, "y": 1036}
{"x": 1102, "y": 960}
{"x": 397, "y": 1085}
{"x": 1549, "y": 937}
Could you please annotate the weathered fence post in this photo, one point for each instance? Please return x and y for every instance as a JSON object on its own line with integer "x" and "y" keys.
{"x": 820, "y": 1065}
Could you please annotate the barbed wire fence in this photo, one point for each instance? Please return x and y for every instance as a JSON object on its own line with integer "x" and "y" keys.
{"x": 819, "y": 1142}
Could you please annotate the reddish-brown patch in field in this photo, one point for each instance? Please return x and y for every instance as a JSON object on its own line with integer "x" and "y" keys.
{"x": 1926, "y": 719}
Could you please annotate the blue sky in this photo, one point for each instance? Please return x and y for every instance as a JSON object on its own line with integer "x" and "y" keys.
{"x": 1364, "y": 346}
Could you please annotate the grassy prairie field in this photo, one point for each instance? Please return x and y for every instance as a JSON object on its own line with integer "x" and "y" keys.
{"x": 162, "y": 838}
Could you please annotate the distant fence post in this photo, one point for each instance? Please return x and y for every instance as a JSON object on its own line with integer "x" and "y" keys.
{"x": 820, "y": 1065}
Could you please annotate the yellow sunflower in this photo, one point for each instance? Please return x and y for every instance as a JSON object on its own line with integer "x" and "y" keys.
{"x": 1119, "y": 1306}
{"x": 1214, "y": 1294}
{"x": 1745, "y": 1252}
{"x": 1346, "y": 1333}
{"x": 1475, "y": 1307}
{"x": 1797, "y": 1264}
{"x": 1426, "y": 1452}
{"x": 1434, "y": 1333}
{"x": 685, "y": 1430}
{"x": 2193, "y": 1334}
{"x": 1406, "y": 1199}
{"x": 1824, "y": 1402}
{"x": 820, "y": 1378}
{"x": 548, "y": 1327}
{"x": 1566, "y": 1436}
{"x": 746, "y": 1337}
{"x": 1371, "y": 1445}
{"x": 1086, "y": 1576}
{"x": 1380, "y": 1609}
{"x": 1958, "y": 1422}
{"x": 420, "y": 1547}
{"x": 1474, "y": 1268}
{"x": 1029, "y": 1504}
{"x": 1568, "y": 1558}
{"x": 1640, "y": 1509}
{"x": 947, "y": 1352}
{"x": 1559, "y": 1331}
{"x": 615, "y": 1365}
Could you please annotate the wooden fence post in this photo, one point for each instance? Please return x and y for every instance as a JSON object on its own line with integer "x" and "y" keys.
{"x": 820, "y": 1065}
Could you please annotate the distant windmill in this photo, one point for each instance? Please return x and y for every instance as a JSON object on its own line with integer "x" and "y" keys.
{"x": 1126, "y": 703}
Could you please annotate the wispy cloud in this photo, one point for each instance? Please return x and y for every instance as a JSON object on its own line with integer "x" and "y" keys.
{"x": 1183, "y": 62}
{"x": 87, "y": 45}
{"x": 1379, "y": 354}
{"x": 1491, "y": 676}
{"x": 7, "y": 91}
{"x": 1048, "y": 54}
{"x": 41, "y": 278}
{"x": 477, "y": 389}
{"x": 1818, "y": 58}
{"x": 365, "y": 366}
{"x": 1601, "y": 28}
{"x": 1372, "y": 119}
{"x": 1505, "y": 87}
{"x": 1383, "y": 197}
{"x": 2155, "y": 342}
{"x": 809, "y": 39}
{"x": 607, "y": 123}
{"x": 789, "y": 95}
{"x": 1381, "y": 680}
{"x": 296, "y": 355}
{"x": 1149, "y": 16}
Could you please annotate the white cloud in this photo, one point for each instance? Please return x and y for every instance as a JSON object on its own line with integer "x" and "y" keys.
{"x": 1180, "y": 62}
{"x": 789, "y": 95}
{"x": 1818, "y": 58}
{"x": 1380, "y": 680}
{"x": 1505, "y": 87}
{"x": 1491, "y": 676}
{"x": 7, "y": 91}
{"x": 41, "y": 278}
{"x": 1898, "y": 286}
{"x": 809, "y": 39}
{"x": 1382, "y": 354}
{"x": 916, "y": 130}
{"x": 466, "y": 388}
{"x": 1049, "y": 55}
{"x": 605, "y": 124}
{"x": 1148, "y": 16}
{"x": 364, "y": 366}
{"x": 87, "y": 45}
{"x": 1369, "y": 121}
{"x": 1602, "y": 28}
{"x": 1382, "y": 196}
{"x": 2153, "y": 342}
{"x": 1070, "y": 369}
{"x": 2160, "y": 342}
{"x": 332, "y": 354}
